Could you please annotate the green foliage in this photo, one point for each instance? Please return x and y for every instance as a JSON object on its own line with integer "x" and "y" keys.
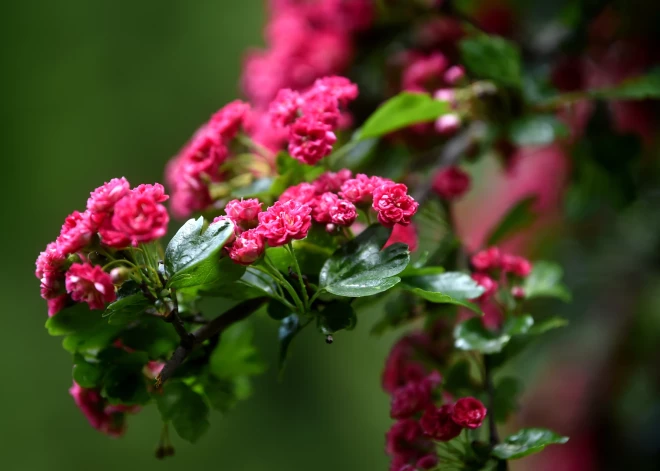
{"x": 123, "y": 381}
{"x": 236, "y": 354}
{"x": 401, "y": 111}
{"x": 336, "y": 316}
{"x": 545, "y": 281}
{"x": 179, "y": 404}
{"x": 289, "y": 328}
{"x": 472, "y": 335}
{"x": 191, "y": 258}
{"x": 518, "y": 217}
{"x": 637, "y": 88}
{"x": 507, "y": 393}
{"x": 291, "y": 172}
{"x": 223, "y": 394}
{"x": 537, "y": 130}
{"x": 85, "y": 373}
{"x": 449, "y": 288}
{"x": 361, "y": 268}
{"x": 85, "y": 330}
{"x": 492, "y": 58}
{"x": 129, "y": 305}
{"x": 526, "y": 442}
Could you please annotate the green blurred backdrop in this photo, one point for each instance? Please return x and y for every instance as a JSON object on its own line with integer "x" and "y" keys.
{"x": 100, "y": 89}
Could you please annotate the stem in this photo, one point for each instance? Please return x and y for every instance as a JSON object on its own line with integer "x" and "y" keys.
{"x": 214, "y": 327}
{"x": 187, "y": 339}
{"x": 502, "y": 465}
{"x": 303, "y": 288}
{"x": 287, "y": 286}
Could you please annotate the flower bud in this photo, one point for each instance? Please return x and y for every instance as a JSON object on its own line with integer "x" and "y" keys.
{"x": 119, "y": 275}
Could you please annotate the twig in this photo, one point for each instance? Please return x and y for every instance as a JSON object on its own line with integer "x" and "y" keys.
{"x": 214, "y": 327}
{"x": 494, "y": 437}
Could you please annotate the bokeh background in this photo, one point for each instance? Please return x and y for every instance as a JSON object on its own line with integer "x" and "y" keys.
{"x": 95, "y": 90}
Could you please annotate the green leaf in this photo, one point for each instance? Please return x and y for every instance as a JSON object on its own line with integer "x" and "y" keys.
{"x": 492, "y": 58}
{"x": 637, "y": 88}
{"x": 126, "y": 309}
{"x": 448, "y": 288}
{"x": 545, "y": 281}
{"x": 278, "y": 311}
{"x": 224, "y": 394}
{"x": 123, "y": 380}
{"x": 337, "y": 316}
{"x": 361, "y": 268}
{"x": 86, "y": 374}
{"x": 289, "y": 328}
{"x": 74, "y": 319}
{"x": 401, "y": 111}
{"x": 458, "y": 380}
{"x": 235, "y": 354}
{"x": 518, "y": 217}
{"x": 186, "y": 409}
{"x": 192, "y": 258}
{"x": 547, "y": 324}
{"x": 537, "y": 130}
{"x": 526, "y": 442}
{"x": 151, "y": 335}
{"x": 507, "y": 392}
{"x": 472, "y": 335}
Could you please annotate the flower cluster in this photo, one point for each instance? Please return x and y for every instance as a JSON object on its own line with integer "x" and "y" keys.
{"x": 199, "y": 163}
{"x": 415, "y": 394}
{"x": 103, "y": 416}
{"x": 450, "y": 183}
{"x": 493, "y": 268}
{"x": 116, "y": 217}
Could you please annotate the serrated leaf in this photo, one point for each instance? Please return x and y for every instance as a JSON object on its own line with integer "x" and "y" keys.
{"x": 472, "y": 335}
{"x": 545, "y": 281}
{"x": 537, "y": 130}
{"x": 492, "y": 58}
{"x": 151, "y": 335}
{"x": 402, "y": 111}
{"x": 192, "y": 258}
{"x": 126, "y": 309}
{"x": 187, "y": 410}
{"x": 235, "y": 354}
{"x": 123, "y": 381}
{"x": 361, "y": 268}
{"x": 447, "y": 288}
{"x": 337, "y": 316}
{"x": 520, "y": 216}
{"x": 224, "y": 394}
{"x": 526, "y": 442}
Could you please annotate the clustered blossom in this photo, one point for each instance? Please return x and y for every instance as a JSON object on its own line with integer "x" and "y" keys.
{"x": 450, "y": 183}
{"x": 493, "y": 268}
{"x": 116, "y": 217}
{"x": 103, "y": 416}
{"x": 415, "y": 394}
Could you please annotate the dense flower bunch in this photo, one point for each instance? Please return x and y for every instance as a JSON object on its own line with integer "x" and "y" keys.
{"x": 424, "y": 413}
{"x": 117, "y": 217}
{"x": 494, "y": 268}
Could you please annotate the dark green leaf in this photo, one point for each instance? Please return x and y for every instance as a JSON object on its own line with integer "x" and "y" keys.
{"x": 192, "y": 258}
{"x": 86, "y": 374}
{"x": 526, "y": 442}
{"x": 518, "y": 217}
{"x": 472, "y": 335}
{"x": 235, "y": 354}
{"x": 541, "y": 327}
{"x": 291, "y": 172}
{"x": 507, "y": 392}
{"x": 537, "y": 130}
{"x": 74, "y": 319}
{"x": 224, "y": 394}
{"x": 637, "y": 88}
{"x": 126, "y": 309}
{"x": 123, "y": 380}
{"x": 289, "y": 328}
{"x": 492, "y": 58}
{"x": 545, "y": 281}
{"x": 186, "y": 409}
{"x": 361, "y": 268}
{"x": 450, "y": 288}
{"x": 278, "y": 311}
{"x": 401, "y": 111}
{"x": 337, "y": 316}
{"x": 151, "y": 335}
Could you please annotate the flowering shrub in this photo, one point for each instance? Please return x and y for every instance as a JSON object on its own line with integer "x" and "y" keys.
{"x": 329, "y": 184}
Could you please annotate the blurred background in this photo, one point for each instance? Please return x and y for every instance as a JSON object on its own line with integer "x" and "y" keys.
{"x": 95, "y": 90}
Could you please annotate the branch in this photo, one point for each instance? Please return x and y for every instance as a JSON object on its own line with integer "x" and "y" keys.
{"x": 214, "y": 327}
{"x": 494, "y": 438}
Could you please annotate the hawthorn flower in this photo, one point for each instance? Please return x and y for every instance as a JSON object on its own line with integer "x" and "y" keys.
{"x": 341, "y": 88}
{"x": 310, "y": 140}
{"x": 90, "y": 284}
{"x": 322, "y": 205}
{"x": 360, "y": 189}
{"x": 102, "y": 200}
{"x": 104, "y": 417}
{"x": 451, "y": 183}
{"x": 283, "y": 222}
{"x": 424, "y": 73}
{"x": 284, "y": 109}
{"x": 437, "y": 423}
{"x": 519, "y": 266}
{"x": 490, "y": 286}
{"x": 413, "y": 397}
{"x": 303, "y": 193}
{"x": 485, "y": 260}
{"x": 429, "y": 461}
{"x": 244, "y": 213}
{"x": 331, "y": 181}
{"x": 228, "y": 119}
{"x": 247, "y": 247}
{"x": 343, "y": 213}
{"x": 56, "y": 304}
{"x": 393, "y": 204}
{"x": 49, "y": 261}
{"x": 469, "y": 412}
{"x": 76, "y": 232}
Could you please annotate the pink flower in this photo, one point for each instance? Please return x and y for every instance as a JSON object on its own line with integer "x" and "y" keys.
{"x": 322, "y": 206}
{"x": 361, "y": 188}
{"x": 155, "y": 193}
{"x": 340, "y": 87}
{"x": 404, "y": 234}
{"x": 469, "y": 412}
{"x": 519, "y": 266}
{"x": 393, "y": 204}
{"x": 226, "y": 121}
{"x": 52, "y": 284}
{"x": 304, "y": 193}
{"x": 138, "y": 217}
{"x": 244, "y": 212}
{"x": 321, "y": 106}
{"x": 310, "y": 140}
{"x": 247, "y": 247}
{"x": 518, "y": 292}
{"x": 285, "y": 108}
{"x": 343, "y": 213}
{"x": 90, "y": 284}
{"x": 284, "y": 222}
{"x": 331, "y": 181}
{"x": 413, "y": 397}
{"x": 448, "y": 124}
{"x": 429, "y": 461}
{"x": 424, "y": 73}
{"x": 49, "y": 261}
{"x": 485, "y": 260}
{"x": 454, "y": 74}
{"x": 490, "y": 286}
{"x": 103, "y": 199}
{"x": 76, "y": 232}
{"x": 55, "y": 305}
{"x": 101, "y": 415}
{"x": 451, "y": 183}
{"x": 437, "y": 423}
